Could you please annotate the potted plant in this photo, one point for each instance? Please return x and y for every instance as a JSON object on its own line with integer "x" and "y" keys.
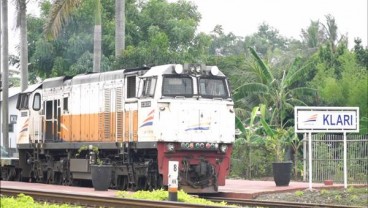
{"x": 278, "y": 140}
{"x": 101, "y": 171}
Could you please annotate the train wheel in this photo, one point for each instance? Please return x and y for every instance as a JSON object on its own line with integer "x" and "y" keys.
{"x": 133, "y": 186}
{"x": 122, "y": 182}
{"x": 125, "y": 182}
{"x": 142, "y": 183}
{"x": 18, "y": 176}
{"x": 66, "y": 179}
{"x": 32, "y": 177}
{"x": 149, "y": 182}
{"x": 50, "y": 176}
{"x": 157, "y": 181}
{"x": 57, "y": 178}
{"x": 8, "y": 173}
{"x": 153, "y": 182}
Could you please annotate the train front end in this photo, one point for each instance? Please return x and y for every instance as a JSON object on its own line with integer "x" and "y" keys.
{"x": 193, "y": 123}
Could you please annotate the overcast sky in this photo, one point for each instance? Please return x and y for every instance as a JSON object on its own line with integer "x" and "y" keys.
{"x": 242, "y": 17}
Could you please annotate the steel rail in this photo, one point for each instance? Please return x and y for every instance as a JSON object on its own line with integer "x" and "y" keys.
{"x": 94, "y": 201}
{"x": 263, "y": 203}
{"x": 101, "y": 201}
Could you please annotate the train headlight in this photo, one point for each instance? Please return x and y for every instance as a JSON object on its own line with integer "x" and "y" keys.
{"x": 198, "y": 69}
{"x": 214, "y": 70}
{"x": 170, "y": 147}
{"x": 179, "y": 68}
{"x": 223, "y": 148}
{"x": 201, "y": 145}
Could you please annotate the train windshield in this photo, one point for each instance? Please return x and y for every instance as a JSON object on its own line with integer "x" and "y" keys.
{"x": 213, "y": 87}
{"x": 177, "y": 86}
{"x": 22, "y": 102}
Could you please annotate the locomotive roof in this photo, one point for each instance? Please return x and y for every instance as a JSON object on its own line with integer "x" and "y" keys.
{"x": 111, "y": 75}
{"x": 54, "y": 82}
{"x": 105, "y": 76}
{"x": 163, "y": 69}
{"x": 170, "y": 69}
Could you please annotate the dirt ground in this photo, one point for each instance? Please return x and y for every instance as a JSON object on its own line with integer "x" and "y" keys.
{"x": 352, "y": 196}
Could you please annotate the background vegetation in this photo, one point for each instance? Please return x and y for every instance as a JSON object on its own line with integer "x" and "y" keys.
{"x": 267, "y": 71}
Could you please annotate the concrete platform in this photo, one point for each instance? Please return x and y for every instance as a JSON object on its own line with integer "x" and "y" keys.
{"x": 246, "y": 189}
{"x": 249, "y": 189}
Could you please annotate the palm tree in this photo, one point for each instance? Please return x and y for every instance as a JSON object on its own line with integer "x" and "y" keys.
{"x": 311, "y": 36}
{"x": 331, "y": 31}
{"x": 60, "y": 13}
{"x": 5, "y": 72}
{"x": 0, "y": 40}
{"x": 22, "y": 24}
{"x": 119, "y": 27}
{"x": 97, "y": 39}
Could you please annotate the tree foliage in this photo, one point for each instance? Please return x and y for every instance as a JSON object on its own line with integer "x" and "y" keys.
{"x": 263, "y": 68}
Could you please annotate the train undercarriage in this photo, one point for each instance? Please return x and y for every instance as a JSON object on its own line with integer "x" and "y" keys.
{"x": 133, "y": 168}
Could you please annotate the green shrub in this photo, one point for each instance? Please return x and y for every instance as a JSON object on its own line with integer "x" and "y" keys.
{"x": 299, "y": 193}
{"x": 324, "y": 192}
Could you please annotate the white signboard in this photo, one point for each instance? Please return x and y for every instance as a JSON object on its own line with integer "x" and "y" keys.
{"x": 173, "y": 174}
{"x": 326, "y": 119}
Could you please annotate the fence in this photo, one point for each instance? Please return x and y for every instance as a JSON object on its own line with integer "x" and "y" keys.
{"x": 328, "y": 156}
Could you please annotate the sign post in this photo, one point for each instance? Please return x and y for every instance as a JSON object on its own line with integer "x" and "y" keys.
{"x": 173, "y": 180}
{"x": 310, "y": 159}
{"x": 326, "y": 120}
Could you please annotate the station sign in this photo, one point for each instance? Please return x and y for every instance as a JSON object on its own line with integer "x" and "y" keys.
{"x": 326, "y": 119}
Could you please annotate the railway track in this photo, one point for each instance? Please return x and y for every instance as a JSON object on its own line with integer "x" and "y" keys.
{"x": 101, "y": 201}
{"x": 93, "y": 201}
{"x": 259, "y": 203}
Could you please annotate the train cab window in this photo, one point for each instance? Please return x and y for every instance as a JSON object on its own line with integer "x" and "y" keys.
{"x": 149, "y": 85}
{"x": 65, "y": 104}
{"x": 177, "y": 86}
{"x": 22, "y": 102}
{"x": 36, "y": 102}
{"x": 211, "y": 87}
{"x": 49, "y": 109}
{"x": 131, "y": 87}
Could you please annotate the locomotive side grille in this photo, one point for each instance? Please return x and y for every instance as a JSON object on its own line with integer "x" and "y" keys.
{"x": 107, "y": 115}
{"x": 100, "y": 125}
{"x": 119, "y": 112}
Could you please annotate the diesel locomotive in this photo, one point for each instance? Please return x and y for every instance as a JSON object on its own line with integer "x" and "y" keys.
{"x": 136, "y": 120}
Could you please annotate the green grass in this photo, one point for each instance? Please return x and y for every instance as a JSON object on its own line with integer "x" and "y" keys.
{"x": 162, "y": 195}
{"x": 22, "y": 201}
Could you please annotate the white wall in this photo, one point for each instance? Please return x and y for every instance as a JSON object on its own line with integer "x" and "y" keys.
{"x": 12, "y": 111}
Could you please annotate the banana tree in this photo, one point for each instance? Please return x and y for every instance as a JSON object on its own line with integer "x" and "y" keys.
{"x": 279, "y": 93}
{"x": 249, "y": 137}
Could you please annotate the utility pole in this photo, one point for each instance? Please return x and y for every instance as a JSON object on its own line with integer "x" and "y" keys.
{"x": 5, "y": 73}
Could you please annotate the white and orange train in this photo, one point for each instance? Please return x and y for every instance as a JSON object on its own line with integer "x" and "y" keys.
{"x": 139, "y": 119}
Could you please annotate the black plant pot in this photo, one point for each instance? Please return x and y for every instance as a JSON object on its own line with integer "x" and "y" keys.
{"x": 282, "y": 173}
{"x": 101, "y": 176}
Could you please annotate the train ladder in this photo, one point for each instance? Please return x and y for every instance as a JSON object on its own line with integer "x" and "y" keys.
{"x": 131, "y": 177}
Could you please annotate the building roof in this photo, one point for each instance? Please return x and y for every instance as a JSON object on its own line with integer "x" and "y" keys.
{"x": 13, "y": 91}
